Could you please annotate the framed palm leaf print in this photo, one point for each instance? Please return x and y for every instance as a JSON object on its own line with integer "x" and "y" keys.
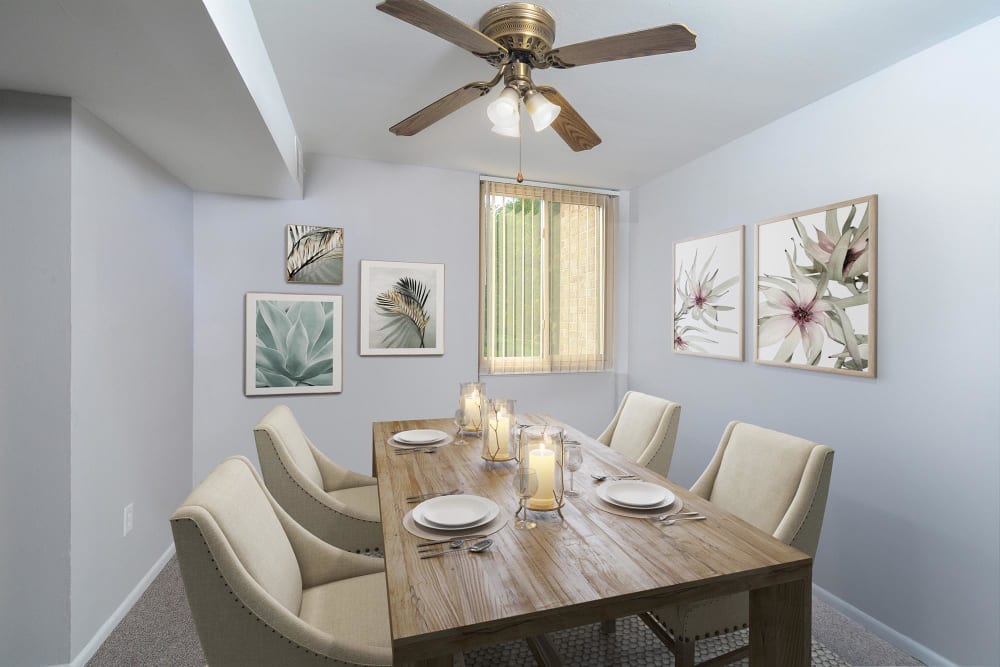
{"x": 314, "y": 254}
{"x": 402, "y": 308}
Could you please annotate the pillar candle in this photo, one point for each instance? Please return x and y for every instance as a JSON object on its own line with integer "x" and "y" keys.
{"x": 543, "y": 462}
{"x": 499, "y": 437}
{"x": 473, "y": 416}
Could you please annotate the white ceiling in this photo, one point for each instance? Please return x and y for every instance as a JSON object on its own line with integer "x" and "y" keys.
{"x": 348, "y": 72}
{"x": 159, "y": 73}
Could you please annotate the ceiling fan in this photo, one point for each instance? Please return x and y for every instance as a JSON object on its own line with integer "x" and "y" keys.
{"x": 516, "y": 38}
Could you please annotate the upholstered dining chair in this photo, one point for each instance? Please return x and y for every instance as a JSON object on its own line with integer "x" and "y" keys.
{"x": 265, "y": 591}
{"x": 336, "y": 504}
{"x": 644, "y": 429}
{"x": 778, "y": 483}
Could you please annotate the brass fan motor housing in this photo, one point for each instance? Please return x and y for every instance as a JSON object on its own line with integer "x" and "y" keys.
{"x": 521, "y": 27}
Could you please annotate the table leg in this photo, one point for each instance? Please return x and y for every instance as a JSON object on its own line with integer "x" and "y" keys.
{"x": 608, "y": 627}
{"x": 781, "y": 624}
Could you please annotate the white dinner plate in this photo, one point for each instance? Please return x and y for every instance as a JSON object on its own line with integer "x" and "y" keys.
{"x": 636, "y": 494}
{"x": 458, "y": 512}
{"x": 423, "y": 436}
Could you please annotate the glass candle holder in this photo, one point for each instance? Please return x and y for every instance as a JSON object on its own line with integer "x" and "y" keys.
{"x": 471, "y": 400}
{"x": 541, "y": 450}
{"x": 499, "y": 442}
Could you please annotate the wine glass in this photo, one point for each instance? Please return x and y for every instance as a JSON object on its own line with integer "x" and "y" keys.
{"x": 461, "y": 423}
{"x": 574, "y": 460}
{"x": 525, "y": 485}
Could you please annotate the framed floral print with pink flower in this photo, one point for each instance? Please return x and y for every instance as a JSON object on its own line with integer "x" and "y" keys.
{"x": 815, "y": 289}
{"x": 708, "y": 295}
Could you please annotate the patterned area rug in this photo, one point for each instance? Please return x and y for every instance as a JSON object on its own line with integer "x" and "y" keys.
{"x": 633, "y": 645}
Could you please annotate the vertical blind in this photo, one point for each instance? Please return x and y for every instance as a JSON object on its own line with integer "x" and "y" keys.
{"x": 546, "y": 268}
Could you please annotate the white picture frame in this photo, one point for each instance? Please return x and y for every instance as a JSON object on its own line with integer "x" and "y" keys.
{"x": 402, "y": 308}
{"x": 708, "y": 295}
{"x": 293, "y": 344}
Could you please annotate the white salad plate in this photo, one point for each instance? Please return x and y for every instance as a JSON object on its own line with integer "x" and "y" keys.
{"x": 458, "y": 512}
{"x": 635, "y": 494}
{"x": 424, "y": 436}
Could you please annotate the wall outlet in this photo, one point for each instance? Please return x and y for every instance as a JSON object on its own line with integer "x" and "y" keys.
{"x": 128, "y": 520}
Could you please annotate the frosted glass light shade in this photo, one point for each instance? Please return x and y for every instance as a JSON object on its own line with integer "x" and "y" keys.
{"x": 542, "y": 111}
{"x": 509, "y": 130}
{"x": 503, "y": 111}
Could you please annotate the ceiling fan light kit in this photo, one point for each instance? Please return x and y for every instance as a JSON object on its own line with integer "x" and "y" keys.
{"x": 517, "y": 38}
{"x": 503, "y": 111}
{"x": 542, "y": 111}
{"x": 513, "y": 131}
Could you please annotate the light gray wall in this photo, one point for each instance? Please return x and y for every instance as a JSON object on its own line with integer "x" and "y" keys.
{"x": 388, "y": 212}
{"x": 923, "y": 136}
{"x": 132, "y": 310}
{"x": 34, "y": 378}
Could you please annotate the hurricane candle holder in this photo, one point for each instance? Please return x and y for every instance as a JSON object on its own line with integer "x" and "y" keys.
{"x": 541, "y": 450}
{"x": 499, "y": 442}
{"x": 471, "y": 401}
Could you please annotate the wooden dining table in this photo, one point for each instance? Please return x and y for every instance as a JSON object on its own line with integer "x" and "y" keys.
{"x": 588, "y": 566}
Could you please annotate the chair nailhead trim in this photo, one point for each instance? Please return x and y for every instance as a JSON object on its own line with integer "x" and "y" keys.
{"x": 250, "y": 612}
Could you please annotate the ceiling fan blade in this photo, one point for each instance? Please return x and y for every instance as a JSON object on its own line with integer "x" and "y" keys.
{"x": 435, "y": 111}
{"x": 569, "y": 124}
{"x": 665, "y": 39}
{"x": 428, "y": 17}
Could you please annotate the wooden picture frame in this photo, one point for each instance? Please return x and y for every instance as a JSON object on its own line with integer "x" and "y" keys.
{"x": 815, "y": 289}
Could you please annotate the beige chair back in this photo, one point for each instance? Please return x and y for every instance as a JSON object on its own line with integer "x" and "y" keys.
{"x": 290, "y": 441}
{"x": 644, "y": 429}
{"x": 775, "y": 481}
{"x": 233, "y": 498}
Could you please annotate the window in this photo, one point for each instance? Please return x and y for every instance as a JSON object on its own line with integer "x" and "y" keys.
{"x": 545, "y": 273}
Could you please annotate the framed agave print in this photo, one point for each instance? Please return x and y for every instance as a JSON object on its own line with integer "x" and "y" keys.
{"x": 314, "y": 254}
{"x": 402, "y": 308}
{"x": 815, "y": 289}
{"x": 294, "y": 344}
{"x": 708, "y": 295}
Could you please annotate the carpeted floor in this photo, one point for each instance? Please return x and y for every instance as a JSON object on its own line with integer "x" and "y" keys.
{"x": 159, "y": 631}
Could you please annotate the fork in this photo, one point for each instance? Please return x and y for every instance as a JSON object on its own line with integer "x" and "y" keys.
{"x": 424, "y": 450}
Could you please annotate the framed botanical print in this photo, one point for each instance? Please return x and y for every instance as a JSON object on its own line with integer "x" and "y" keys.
{"x": 402, "y": 308}
{"x": 815, "y": 289}
{"x": 293, "y": 344}
{"x": 314, "y": 254}
{"x": 708, "y": 295}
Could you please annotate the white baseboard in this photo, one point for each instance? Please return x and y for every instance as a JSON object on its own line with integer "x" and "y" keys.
{"x": 872, "y": 624}
{"x": 88, "y": 651}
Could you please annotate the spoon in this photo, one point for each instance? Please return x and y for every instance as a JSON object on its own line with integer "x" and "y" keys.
{"x": 683, "y": 518}
{"x": 478, "y": 547}
{"x": 664, "y": 517}
{"x": 601, "y": 478}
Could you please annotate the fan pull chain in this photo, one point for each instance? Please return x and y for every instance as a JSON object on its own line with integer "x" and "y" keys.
{"x": 520, "y": 176}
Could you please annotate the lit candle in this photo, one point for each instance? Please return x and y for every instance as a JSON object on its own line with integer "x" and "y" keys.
{"x": 543, "y": 462}
{"x": 473, "y": 416}
{"x": 499, "y": 437}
